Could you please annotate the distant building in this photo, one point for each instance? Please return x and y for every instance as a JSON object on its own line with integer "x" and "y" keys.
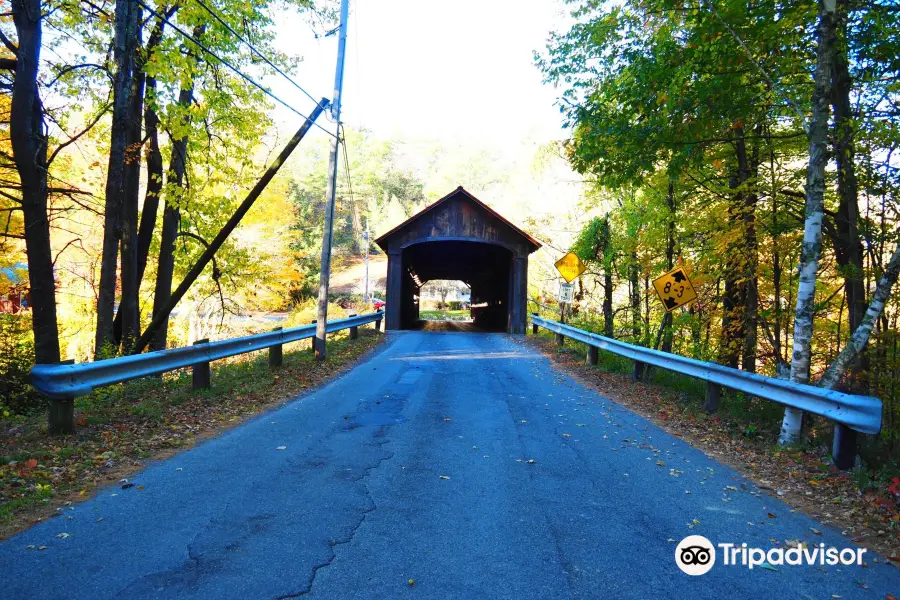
{"x": 456, "y": 291}
{"x": 14, "y": 289}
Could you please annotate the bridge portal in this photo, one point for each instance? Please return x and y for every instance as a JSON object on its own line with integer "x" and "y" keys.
{"x": 459, "y": 237}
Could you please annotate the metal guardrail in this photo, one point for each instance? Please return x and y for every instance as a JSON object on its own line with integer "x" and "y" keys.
{"x": 71, "y": 380}
{"x": 859, "y": 413}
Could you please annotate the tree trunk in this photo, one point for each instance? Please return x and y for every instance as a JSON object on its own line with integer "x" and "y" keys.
{"x": 847, "y": 243}
{"x": 634, "y": 278}
{"x": 154, "y": 180}
{"x": 171, "y": 219}
{"x": 141, "y": 95}
{"x": 608, "y": 326}
{"x": 812, "y": 231}
{"x": 128, "y": 305}
{"x": 731, "y": 337}
{"x": 29, "y": 145}
{"x": 750, "y": 321}
{"x": 860, "y": 337}
{"x": 123, "y": 51}
{"x": 670, "y": 261}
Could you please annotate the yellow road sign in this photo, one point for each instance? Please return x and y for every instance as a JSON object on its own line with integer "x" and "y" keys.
{"x": 570, "y": 267}
{"x": 674, "y": 289}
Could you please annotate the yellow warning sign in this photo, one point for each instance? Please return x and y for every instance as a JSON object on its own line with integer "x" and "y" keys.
{"x": 570, "y": 267}
{"x": 675, "y": 289}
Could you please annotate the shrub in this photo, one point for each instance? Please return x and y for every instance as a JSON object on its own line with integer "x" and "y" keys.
{"x": 16, "y": 359}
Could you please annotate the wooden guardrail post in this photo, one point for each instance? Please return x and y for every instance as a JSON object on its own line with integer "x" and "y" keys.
{"x": 61, "y": 415}
{"x": 534, "y": 328}
{"x": 200, "y": 372}
{"x": 639, "y": 370}
{"x": 312, "y": 341}
{"x": 592, "y": 355}
{"x": 560, "y": 339}
{"x": 354, "y": 331}
{"x": 713, "y": 394}
{"x": 276, "y": 354}
{"x": 843, "y": 448}
{"x": 378, "y": 321}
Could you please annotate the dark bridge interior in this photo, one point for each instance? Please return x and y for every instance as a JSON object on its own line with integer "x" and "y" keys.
{"x": 485, "y": 267}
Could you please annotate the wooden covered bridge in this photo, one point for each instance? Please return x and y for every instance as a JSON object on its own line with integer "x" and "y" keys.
{"x": 459, "y": 238}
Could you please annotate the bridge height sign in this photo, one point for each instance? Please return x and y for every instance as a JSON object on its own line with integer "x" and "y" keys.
{"x": 674, "y": 289}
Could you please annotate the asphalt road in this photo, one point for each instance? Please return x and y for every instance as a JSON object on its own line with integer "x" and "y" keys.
{"x": 416, "y": 465}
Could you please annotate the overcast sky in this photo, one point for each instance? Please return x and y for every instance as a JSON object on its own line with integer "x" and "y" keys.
{"x": 454, "y": 71}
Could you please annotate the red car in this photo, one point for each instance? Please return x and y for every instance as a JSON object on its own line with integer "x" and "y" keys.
{"x": 378, "y": 305}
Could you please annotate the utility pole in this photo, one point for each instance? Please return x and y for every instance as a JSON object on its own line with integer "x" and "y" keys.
{"x": 327, "y": 234}
{"x": 366, "y": 234}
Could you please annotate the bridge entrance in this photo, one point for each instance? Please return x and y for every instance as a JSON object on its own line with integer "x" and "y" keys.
{"x": 459, "y": 238}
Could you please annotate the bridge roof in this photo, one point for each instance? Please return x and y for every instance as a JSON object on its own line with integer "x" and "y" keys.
{"x": 458, "y": 193}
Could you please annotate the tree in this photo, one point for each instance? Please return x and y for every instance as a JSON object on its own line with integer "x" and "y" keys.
{"x": 812, "y": 234}
{"x": 29, "y": 142}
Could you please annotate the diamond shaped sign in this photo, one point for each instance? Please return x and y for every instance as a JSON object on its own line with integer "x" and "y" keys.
{"x": 570, "y": 267}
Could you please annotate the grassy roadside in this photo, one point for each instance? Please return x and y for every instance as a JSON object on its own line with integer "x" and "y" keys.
{"x": 742, "y": 436}
{"x": 121, "y": 427}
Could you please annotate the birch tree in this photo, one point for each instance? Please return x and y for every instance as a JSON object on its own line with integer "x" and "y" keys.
{"x": 815, "y": 205}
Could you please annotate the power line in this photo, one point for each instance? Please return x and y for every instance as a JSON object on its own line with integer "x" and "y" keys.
{"x": 249, "y": 80}
{"x": 346, "y": 161}
{"x": 254, "y": 49}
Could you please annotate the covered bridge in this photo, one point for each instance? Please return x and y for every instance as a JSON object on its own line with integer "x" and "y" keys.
{"x": 459, "y": 238}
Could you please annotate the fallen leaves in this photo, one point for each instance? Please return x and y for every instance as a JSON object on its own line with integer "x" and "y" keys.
{"x": 804, "y": 478}
{"x": 122, "y": 427}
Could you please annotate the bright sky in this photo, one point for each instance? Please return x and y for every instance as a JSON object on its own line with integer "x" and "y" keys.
{"x": 455, "y": 71}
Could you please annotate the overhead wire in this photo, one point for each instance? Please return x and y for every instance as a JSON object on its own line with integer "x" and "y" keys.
{"x": 237, "y": 71}
{"x": 343, "y": 138}
{"x": 218, "y": 18}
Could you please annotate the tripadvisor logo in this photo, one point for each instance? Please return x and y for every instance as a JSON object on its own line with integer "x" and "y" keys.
{"x": 696, "y": 555}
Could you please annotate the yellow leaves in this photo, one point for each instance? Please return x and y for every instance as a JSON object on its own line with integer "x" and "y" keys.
{"x": 411, "y": 582}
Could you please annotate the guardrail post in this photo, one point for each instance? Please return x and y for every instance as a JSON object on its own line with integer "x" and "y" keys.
{"x": 200, "y": 374}
{"x": 591, "y": 355}
{"x": 639, "y": 369}
{"x": 276, "y": 354}
{"x": 312, "y": 341}
{"x": 560, "y": 339}
{"x": 354, "y": 331}
{"x": 378, "y": 321}
{"x": 534, "y": 327}
{"x": 61, "y": 415}
{"x": 713, "y": 394}
{"x": 843, "y": 448}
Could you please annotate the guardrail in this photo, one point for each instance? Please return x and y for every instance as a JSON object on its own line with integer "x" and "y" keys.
{"x": 63, "y": 382}
{"x": 849, "y": 412}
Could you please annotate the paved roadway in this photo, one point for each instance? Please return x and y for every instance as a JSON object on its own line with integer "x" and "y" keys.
{"x": 415, "y": 466}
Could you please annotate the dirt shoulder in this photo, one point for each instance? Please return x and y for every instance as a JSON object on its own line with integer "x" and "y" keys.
{"x": 801, "y": 477}
{"x": 122, "y": 428}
